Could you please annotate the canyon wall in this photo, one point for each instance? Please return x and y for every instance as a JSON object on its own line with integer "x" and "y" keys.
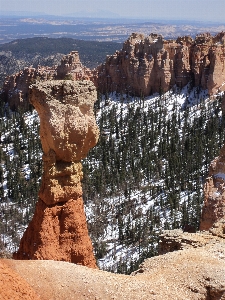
{"x": 146, "y": 65}
{"x": 68, "y": 130}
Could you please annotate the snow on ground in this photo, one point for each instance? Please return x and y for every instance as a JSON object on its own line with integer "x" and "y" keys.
{"x": 179, "y": 100}
{"x": 8, "y": 205}
{"x": 174, "y": 100}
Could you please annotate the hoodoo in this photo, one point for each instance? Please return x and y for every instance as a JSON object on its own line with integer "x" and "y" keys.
{"x": 151, "y": 64}
{"x": 58, "y": 230}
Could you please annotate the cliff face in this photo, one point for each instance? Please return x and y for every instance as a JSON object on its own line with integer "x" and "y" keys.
{"x": 151, "y": 64}
{"x": 214, "y": 193}
{"x": 68, "y": 130}
{"x": 72, "y": 67}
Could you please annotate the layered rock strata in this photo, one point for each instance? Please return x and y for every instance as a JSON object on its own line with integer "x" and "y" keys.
{"x": 71, "y": 67}
{"x": 214, "y": 193}
{"x": 68, "y": 130}
{"x": 15, "y": 88}
{"x": 146, "y": 65}
{"x": 174, "y": 240}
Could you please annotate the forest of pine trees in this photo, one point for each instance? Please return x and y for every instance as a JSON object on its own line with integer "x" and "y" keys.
{"x": 20, "y": 172}
{"x": 146, "y": 173}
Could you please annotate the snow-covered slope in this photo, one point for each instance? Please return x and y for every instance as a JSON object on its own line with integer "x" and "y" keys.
{"x": 131, "y": 214}
{"x": 146, "y": 173}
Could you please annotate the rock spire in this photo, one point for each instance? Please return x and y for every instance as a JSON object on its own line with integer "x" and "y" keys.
{"x": 16, "y": 87}
{"x": 58, "y": 230}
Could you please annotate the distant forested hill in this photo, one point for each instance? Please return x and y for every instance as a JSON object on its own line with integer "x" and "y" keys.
{"x": 18, "y": 54}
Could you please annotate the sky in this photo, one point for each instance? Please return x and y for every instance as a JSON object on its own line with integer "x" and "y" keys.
{"x": 198, "y": 10}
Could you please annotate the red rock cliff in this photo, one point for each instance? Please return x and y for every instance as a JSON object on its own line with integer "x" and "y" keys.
{"x": 58, "y": 230}
{"x": 151, "y": 64}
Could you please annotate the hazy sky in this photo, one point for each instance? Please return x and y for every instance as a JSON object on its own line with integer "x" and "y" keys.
{"x": 210, "y": 10}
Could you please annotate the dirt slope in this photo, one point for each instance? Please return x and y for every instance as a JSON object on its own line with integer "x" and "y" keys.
{"x": 194, "y": 273}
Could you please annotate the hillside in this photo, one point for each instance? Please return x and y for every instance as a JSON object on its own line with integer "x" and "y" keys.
{"x": 146, "y": 174}
{"x": 16, "y": 55}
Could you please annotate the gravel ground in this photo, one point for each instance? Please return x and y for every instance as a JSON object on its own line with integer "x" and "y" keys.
{"x": 195, "y": 273}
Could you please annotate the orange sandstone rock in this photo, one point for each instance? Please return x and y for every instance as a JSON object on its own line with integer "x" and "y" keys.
{"x": 68, "y": 130}
{"x": 16, "y": 87}
{"x": 13, "y": 286}
{"x": 58, "y": 232}
{"x": 214, "y": 193}
{"x": 148, "y": 64}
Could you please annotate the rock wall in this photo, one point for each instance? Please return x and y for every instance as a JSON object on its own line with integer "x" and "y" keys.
{"x": 214, "y": 193}
{"x": 71, "y": 67}
{"x": 68, "y": 130}
{"x": 214, "y": 190}
{"x": 16, "y": 87}
{"x": 174, "y": 240}
{"x": 146, "y": 65}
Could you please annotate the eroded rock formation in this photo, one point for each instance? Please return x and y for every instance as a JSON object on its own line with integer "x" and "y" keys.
{"x": 68, "y": 130}
{"x": 72, "y": 67}
{"x": 145, "y": 65}
{"x": 151, "y": 64}
{"x": 214, "y": 193}
{"x": 15, "y": 88}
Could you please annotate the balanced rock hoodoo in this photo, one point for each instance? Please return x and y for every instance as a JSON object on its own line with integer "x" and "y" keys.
{"x": 68, "y": 130}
